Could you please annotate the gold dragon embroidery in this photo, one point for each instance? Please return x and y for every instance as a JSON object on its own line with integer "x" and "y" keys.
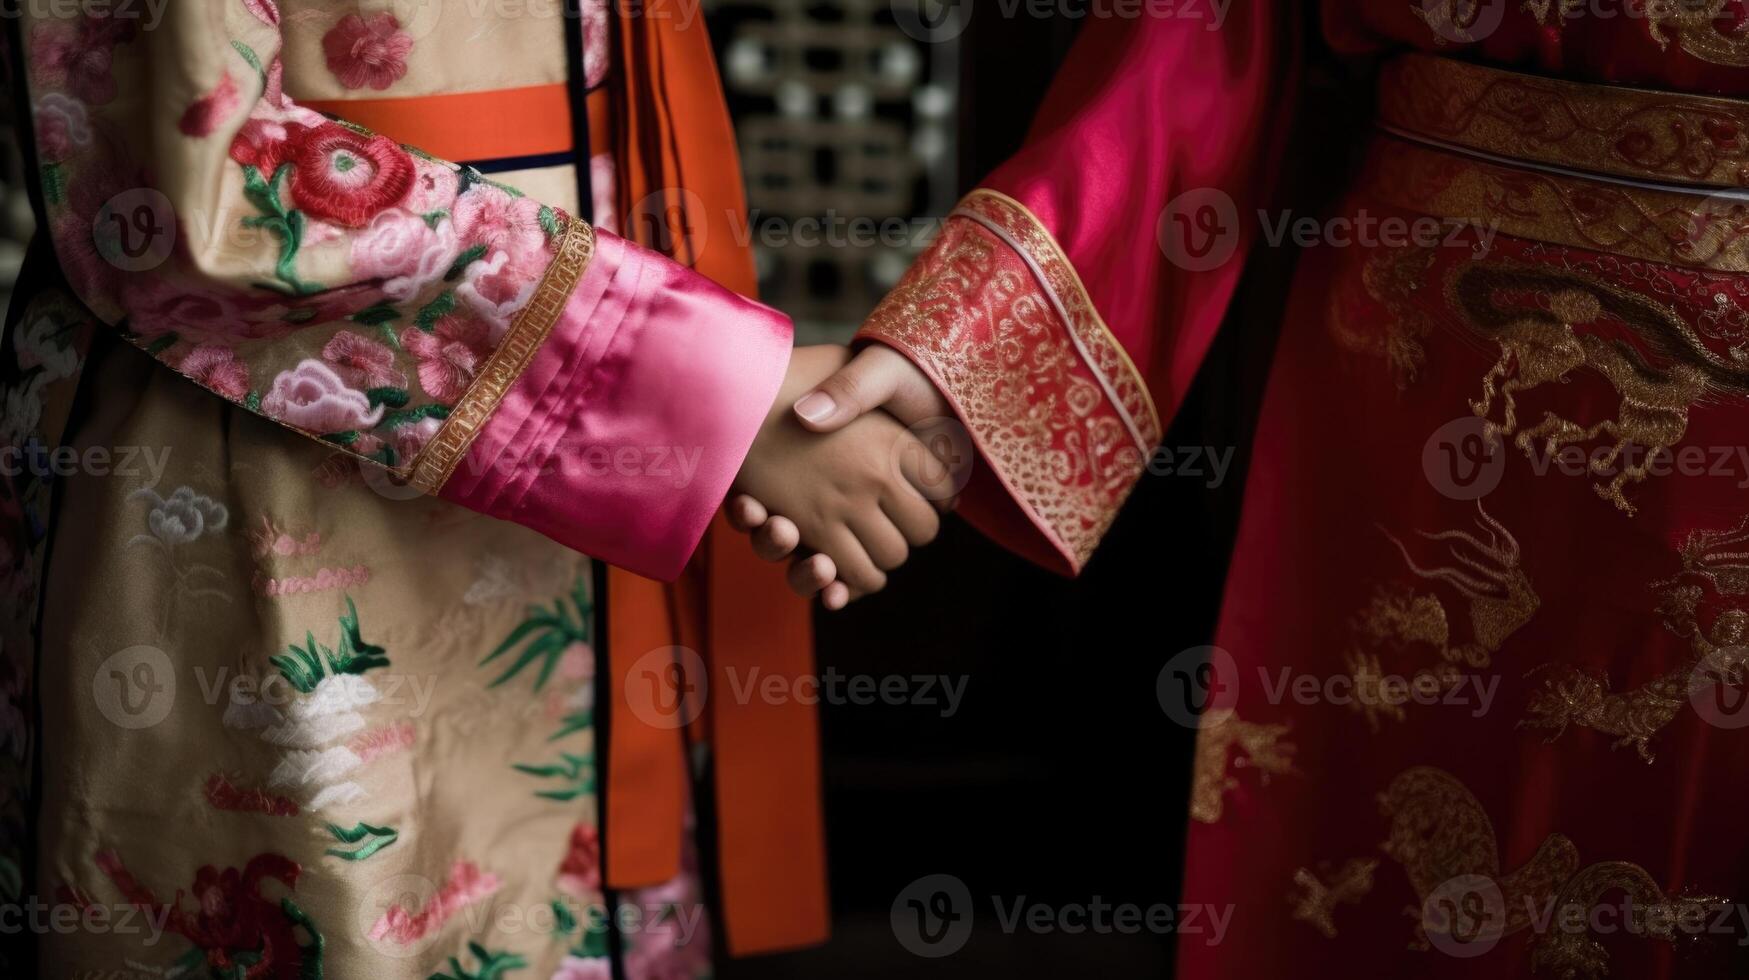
{"x": 1533, "y": 315}
{"x": 1259, "y": 746}
{"x": 1486, "y": 571}
{"x": 1700, "y": 27}
{"x": 1444, "y": 840}
{"x": 1570, "y": 696}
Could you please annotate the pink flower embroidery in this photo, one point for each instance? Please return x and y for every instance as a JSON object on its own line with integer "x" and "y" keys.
{"x": 595, "y": 42}
{"x": 603, "y": 192}
{"x": 499, "y": 286}
{"x": 367, "y": 53}
{"x": 77, "y": 54}
{"x": 157, "y": 305}
{"x": 263, "y": 144}
{"x": 362, "y": 362}
{"x": 577, "y": 663}
{"x": 313, "y": 398}
{"x": 404, "y": 251}
{"x": 264, "y": 10}
{"x": 465, "y": 885}
{"x": 218, "y": 369}
{"x": 449, "y": 355}
{"x": 207, "y": 112}
{"x": 410, "y": 439}
{"x": 61, "y": 125}
{"x": 489, "y": 216}
{"x": 434, "y": 187}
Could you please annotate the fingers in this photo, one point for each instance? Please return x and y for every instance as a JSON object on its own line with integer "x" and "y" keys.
{"x": 855, "y": 568}
{"x": 885, "y": 545}
{"x": 836, "y": 596}
{"x": 811, "y": 574}
{"x": 776, "y": 539}
{"x": 915, "y": 518}
{"x": 929, "y": 476}
{"x": 744, "y": 513}
{"x": 866, "y": 383}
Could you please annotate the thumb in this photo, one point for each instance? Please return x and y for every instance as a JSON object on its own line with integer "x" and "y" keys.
{"x": 864, "y": 384}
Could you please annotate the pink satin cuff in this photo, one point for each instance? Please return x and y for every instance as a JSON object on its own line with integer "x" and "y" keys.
{"x": 621, "y": 437}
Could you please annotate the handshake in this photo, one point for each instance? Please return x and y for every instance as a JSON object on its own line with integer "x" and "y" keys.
{"x": 851, "y": 487}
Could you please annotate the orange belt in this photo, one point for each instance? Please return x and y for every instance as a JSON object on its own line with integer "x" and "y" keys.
{"x": 664, "y": 120}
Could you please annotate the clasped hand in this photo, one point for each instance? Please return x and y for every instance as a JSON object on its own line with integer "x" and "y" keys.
{"x": 839, "y": 489}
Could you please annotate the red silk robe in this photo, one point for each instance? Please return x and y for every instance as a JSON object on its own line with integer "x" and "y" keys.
{"x": 1473, "y": 709}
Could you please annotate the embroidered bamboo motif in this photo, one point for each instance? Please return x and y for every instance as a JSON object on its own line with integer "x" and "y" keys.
{"x": 1486, "y": 571}
{"x": 1258, "y": 746}
{"x": 1533, "y": 316}
{"x": 1570, "y": 696}
{"x": 1316, "y": 901}
{"x": 559, "y": 640}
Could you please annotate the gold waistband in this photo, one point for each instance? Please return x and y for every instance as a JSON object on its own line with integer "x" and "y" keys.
{"x": 1638, "y": 134}
{"x": 1646, "y": 175}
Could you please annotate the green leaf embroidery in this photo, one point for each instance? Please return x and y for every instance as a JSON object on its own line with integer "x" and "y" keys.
{"x": 305, "y": 667}
{"x": 54, "y": 183}
{"x": 287, "y": 224}
{"x": 462, "y": 262}
{"x": 370, "y": 316}
{"x": 370, "y": 839}
{"x": 161, "y": 345}
{"x": 549, "y": 221}
{"x": 250, "y": 56}
{"x": 427, "y": 317}
{"x": 491, "y": 965}
{"x": 392, "y": 397}
{"x": 395, "y": 420}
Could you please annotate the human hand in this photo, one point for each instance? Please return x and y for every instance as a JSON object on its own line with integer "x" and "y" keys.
{"x": 849, "y": 492}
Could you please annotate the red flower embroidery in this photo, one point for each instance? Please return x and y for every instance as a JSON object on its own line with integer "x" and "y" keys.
{"x": 449, "y": 355}
{"x": 362, "y": 362}
{"x": 343, "y": 176}
{"x": 367, "y": 53}
{"x": 77, "y": 55}
{"x": 207, "y": 112}
{"x": 581, "y": 869}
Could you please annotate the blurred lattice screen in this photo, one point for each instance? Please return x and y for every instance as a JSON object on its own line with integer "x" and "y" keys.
{"x": 847, "y": 130}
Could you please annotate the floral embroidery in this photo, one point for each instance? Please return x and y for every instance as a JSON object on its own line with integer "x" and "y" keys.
{"x": 237, "y": 931}
{"x": 173, "y": 524}
{"x": 367, "y": 52}
{"x": 311, "y": 396}
{"x": 77, "y": 54}
{"x": 62, "y": 126}
{"x": 465, "y": 885}
{"x": 223, "y": 794}
{"x": 491, "y": 965}
{"x": 449, "y": 355}
{"x": 406, "y": 251}
{"x": 554, "y": 638}
{"x": 367, "y": 838}
{"x": 211, "y": 110}
{"x": 218, "y": 369}
{"x": 580, "y": 872}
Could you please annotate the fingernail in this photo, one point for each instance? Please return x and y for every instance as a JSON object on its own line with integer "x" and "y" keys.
{"x": 815, "y": 406}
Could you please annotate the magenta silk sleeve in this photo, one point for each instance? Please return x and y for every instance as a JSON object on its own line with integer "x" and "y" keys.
{"x": 620, "y": 436}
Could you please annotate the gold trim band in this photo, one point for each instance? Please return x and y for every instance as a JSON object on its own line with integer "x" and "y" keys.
{"x": 526, "y": 334}
{"x": 1607, "y": 129}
